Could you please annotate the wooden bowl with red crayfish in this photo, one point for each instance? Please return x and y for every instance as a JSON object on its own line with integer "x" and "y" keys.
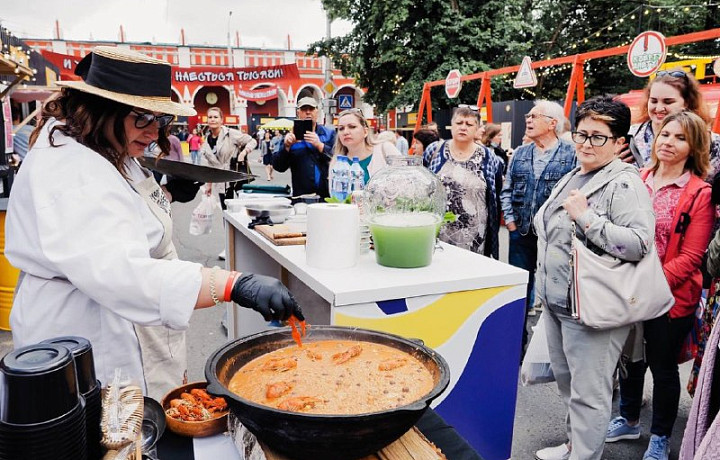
{"x": 191, "y": 411}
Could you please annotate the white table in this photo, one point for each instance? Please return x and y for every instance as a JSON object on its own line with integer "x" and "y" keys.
{"x": 468, "y": 307}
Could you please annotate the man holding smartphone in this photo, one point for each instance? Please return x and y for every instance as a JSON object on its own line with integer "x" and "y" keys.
{"x": 308, "y": 157}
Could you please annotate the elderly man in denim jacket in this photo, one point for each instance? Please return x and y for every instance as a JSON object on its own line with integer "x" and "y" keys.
{"x": 533, "y": 171}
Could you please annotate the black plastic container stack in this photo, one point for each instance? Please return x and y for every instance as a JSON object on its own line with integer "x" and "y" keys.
{"x": 89, "y": 387}
{"x": 42, "y": 413}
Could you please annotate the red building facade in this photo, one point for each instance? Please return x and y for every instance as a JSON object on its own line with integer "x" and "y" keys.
{"x": 246, "y": 83}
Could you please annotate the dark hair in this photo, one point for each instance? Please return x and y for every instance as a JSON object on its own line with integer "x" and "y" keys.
{"x": 697, "y": 135}
{"x": 614, "y": 113}
{"x": 93, "y": 121}
{"x": 687, "y": 86}
{"x": 426, "y": 136}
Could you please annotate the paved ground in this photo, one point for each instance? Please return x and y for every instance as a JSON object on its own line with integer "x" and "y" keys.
{"x": 539, "y": 419}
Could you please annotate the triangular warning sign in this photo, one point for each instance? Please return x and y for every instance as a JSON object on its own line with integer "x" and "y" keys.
{"x": 525, "y": 77}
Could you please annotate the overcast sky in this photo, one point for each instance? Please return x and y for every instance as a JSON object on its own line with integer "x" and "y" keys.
{"x": 261, "y": 23}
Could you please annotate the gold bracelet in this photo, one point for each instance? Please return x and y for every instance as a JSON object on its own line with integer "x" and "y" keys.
{"x": 213, "y": 292}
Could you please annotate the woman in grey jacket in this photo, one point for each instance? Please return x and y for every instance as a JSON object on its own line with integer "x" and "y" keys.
{"x": 613, "y": 214}
{"x": 225, "y": 148}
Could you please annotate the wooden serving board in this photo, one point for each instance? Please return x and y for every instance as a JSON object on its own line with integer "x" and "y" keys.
{"x": 413, "y": 445}
{"x": 282, "y": 234}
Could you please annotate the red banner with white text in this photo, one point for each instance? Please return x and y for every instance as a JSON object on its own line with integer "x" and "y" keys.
{"x": 64, "y": 62}
{"x": 215, "y": 76}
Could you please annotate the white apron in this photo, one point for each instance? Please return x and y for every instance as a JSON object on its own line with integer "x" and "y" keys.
{"x": 163, "y": 351}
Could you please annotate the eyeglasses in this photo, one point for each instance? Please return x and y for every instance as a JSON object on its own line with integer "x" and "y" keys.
{"x": 474, "y": 108}
{"x": 596, "y": 140}
{"x": 533, "y": 116}
{"x": 145, "y": 119}
{"x": 672, "y": 73}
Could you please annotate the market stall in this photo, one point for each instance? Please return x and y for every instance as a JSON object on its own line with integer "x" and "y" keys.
{"x": 467, "y": 307}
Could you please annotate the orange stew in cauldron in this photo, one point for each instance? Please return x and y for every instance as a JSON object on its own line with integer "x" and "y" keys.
{"x": 333, "y": 377}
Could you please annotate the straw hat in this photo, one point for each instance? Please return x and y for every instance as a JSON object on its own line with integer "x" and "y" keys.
{"x": 128, "y": 77}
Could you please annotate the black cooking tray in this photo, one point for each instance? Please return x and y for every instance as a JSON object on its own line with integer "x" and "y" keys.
{"x": 193, "y": 172}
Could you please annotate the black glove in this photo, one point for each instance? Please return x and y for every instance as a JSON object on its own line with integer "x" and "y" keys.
{"x": 182, "y": 190}
{"x": 267, "y": 296}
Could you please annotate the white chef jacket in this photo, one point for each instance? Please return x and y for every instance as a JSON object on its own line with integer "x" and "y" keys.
{"x": 83, "y": 237}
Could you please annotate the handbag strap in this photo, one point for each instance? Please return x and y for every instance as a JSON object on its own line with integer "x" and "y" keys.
{"x": 684, "y": 221}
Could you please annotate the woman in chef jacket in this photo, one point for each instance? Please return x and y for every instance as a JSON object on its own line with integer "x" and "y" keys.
{"x": 91, "y": 230}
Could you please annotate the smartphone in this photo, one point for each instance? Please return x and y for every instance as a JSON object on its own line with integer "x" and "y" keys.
{"x": 300, "y": 127}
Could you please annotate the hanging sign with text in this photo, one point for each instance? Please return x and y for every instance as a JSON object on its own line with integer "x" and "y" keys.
{"x": 646, "y": 53}
{"x": 262, "y": 94}
{"x": 453, "y": 83}
{"x": 215, "y": 76}
{"x": 525, "y": 77}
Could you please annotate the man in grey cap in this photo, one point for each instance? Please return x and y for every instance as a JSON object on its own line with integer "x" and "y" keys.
{"x": 308, "y": 158}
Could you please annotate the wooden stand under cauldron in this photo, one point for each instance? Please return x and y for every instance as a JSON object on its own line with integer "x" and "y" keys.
{"x": 411, "y": 446}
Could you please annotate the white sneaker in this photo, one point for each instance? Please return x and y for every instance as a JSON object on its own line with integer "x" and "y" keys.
{"x": 560, "y": 452}
{"x": 221, "y": 256}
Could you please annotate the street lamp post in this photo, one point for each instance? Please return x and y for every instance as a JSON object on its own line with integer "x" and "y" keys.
{"x": 231, "y": 58}
{"x": 328, "y": 72}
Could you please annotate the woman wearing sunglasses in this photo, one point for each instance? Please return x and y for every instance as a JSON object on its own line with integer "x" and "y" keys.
{"x": 684, "y": 219}
{"x": 91, "y": 232}
{"x": 669, "y": 92}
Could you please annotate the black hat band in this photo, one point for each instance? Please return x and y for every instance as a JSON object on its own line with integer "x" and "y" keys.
{"x": 131, "y": 78}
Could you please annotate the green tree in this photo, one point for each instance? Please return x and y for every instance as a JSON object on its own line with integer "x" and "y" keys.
{"x": 396, "y": 46}
{"x": 578, "y": 26}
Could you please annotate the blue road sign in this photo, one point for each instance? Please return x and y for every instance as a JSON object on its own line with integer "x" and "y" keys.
{"x": 345, "y": 101}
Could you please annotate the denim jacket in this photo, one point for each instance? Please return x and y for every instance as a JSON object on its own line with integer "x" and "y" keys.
{"x": 521, "y": 195}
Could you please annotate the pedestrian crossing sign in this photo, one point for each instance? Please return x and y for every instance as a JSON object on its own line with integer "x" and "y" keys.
{"x": 525, "y": 77}
{"x": 345, "y": 101}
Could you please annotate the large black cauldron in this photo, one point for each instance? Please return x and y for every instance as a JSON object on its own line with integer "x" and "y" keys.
{"x": 321, "y": 437}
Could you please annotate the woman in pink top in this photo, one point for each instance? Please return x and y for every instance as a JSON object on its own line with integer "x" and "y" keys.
{"x": 194, "y": 142}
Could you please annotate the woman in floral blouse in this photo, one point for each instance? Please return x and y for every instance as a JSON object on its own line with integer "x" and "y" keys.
{"x": 470, "y": 173}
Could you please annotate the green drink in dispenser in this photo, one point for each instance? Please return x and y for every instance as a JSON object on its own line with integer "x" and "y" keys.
{"x": 405, "y": 205}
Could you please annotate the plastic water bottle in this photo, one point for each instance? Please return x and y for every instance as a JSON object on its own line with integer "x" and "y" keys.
{"x": 357, "y": 176}
{"x": 340, "y": 179}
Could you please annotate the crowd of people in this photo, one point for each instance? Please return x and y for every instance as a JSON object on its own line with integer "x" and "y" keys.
{"x": 619, "y": 188}
{"x": 622, "y": 187}
{"x": 633, "y": 187}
